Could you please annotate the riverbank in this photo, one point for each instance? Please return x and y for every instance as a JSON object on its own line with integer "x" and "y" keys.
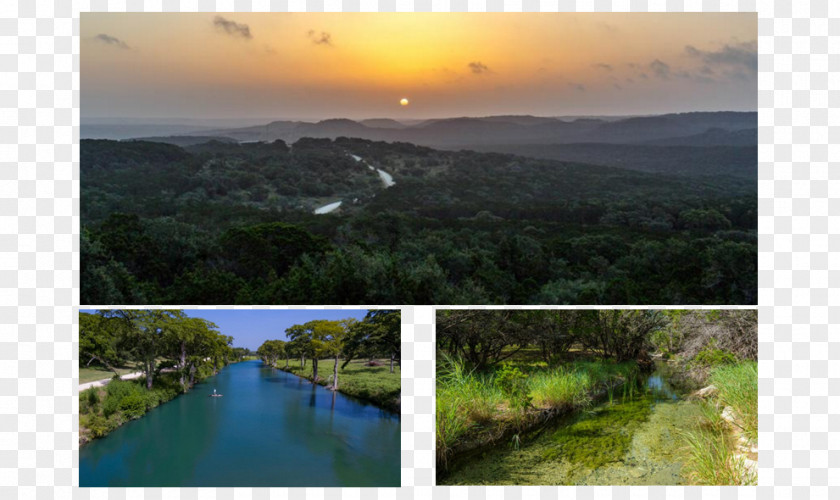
{"x": 723, "y": 445}
{"x": 479, "y": 411}
{"x": 375, "y": 384}
{"x": 104, "y": 408}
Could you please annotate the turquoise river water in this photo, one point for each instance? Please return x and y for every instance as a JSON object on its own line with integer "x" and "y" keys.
{"x": 270, "y": 428}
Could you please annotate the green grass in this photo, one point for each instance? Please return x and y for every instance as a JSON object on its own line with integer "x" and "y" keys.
{"x": 93, "y": 373}
{"x": 371, "y": 383}
{"x": 712, "y": 460}
{"x": 738, "y": 388}
{"x": 712, "y": 444}
{"x": 474, "y": 406}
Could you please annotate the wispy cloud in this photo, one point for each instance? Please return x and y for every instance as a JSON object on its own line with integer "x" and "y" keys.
{"x": 478, "y": 67}
{"x": 660, "y": 69}
{"x": 322, "y": 38}
{"x": 603, "y": 66}
{"x": 740, "y": 57}
{"x": 111, "y": 40}
{"x": 578, "y": 86}
{"x": 232, "y": 28}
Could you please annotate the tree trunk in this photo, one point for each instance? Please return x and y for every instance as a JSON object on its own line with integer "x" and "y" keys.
{"x": 192, "y": 375}
{"x": 107, "y": 365}
{"x": 302, "y": 361}
{"x": 183, "y": 366}
{"x": 314, "y": 370}
{"x": 393, "y": 355}
{"x": 287, "y": 362}
{"x": 335, "y": 374}
{"x": 150, "y": 373}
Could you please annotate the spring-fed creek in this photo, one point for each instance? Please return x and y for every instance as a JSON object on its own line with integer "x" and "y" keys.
{"x": 629, "y": 437}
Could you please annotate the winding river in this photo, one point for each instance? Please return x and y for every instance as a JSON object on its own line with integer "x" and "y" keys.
{"x": 271, "y": 428}
{"x": 631, "y": 438}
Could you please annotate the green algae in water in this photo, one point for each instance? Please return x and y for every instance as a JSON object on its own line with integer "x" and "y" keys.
{"x": 599, "y": 438}
{"x": 630, "y": 440}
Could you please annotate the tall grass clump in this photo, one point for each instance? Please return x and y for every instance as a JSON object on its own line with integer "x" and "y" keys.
{"x": 738, "y": 388}
{"x": 560, "y": 388}
{"x": 464, "y": 400}
{"x": 713, "y": 461}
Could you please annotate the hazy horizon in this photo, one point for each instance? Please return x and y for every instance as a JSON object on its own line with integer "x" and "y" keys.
{"x": 206, "y": 67}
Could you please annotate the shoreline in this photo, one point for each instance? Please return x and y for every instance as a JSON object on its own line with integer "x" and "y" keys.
{"x": 85, "y": 432}
{"x": 536, "y": 421}
{"x": 393, "y": 408}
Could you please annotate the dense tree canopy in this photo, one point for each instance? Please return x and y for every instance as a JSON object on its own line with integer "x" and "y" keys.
{"x": 378, "y": 334}
{"x": 154, "y": 338}
{"x": 482, "y": 338}
{"x": 225, "y": 223}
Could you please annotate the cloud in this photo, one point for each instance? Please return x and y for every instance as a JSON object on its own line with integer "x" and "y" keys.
{"x": 323, "y": 38}
{"x": 604, "y": 66}
{"x": 660, "y": 69}
{"x": 111, "y": 40}
{"x": 739, "y": 57}
{"x": 578, "y": 86}
{"x": 232, "y": 28}
{"x": 478, "y": 67}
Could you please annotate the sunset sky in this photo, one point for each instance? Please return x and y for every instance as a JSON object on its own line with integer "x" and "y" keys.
{"x": 350, "y": 65}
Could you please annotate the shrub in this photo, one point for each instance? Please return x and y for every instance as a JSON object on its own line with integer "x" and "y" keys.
{"x": 116, "y": 392}
{"x": 133, "y": 406}
{"x": 711, "y": 355}
{"x": 513, "y": 383}
{"x": 99, "y": 425}
{"x": 89, "y": 400}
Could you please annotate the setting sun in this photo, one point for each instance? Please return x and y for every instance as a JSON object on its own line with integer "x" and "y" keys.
{"x": 403, "y": 102}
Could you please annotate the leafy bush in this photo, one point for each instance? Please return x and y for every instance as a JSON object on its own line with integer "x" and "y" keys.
{"x": 89, "y": 400}
{"x": 100, "y": 426}
{"x": 711, "y": 355}
{"x": 513, "y": 383}
{"x": 133, "y": 406}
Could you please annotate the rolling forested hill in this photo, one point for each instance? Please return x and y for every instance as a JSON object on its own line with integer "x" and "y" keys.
{"x": 221, "y": 223}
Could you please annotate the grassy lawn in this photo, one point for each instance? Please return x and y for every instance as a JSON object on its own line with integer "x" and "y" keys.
{"x": 93, "y": 373}
{"x": 373, "y": 383}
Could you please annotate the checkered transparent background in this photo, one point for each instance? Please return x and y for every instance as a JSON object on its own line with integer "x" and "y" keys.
{"x": 799, "y": 129}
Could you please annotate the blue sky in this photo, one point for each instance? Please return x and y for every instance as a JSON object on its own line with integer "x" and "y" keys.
{"x": 251, "y": 327}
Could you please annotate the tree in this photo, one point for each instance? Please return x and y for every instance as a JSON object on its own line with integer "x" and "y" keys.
{"x": 377, "y": 334}
{"x": 145, "y": 333}
{"x": 335, "y": 341}
{"x": 326, "y": 338}
{"x": 482, "y": 337}
{"x": 186, "y": 337}
{"x": 300, "y": 343}
{"x": 622, "y": 334}
{"x": 98, "y": 340}
{"x": 271, "y": 350}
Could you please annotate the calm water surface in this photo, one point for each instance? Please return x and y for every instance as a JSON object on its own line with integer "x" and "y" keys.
{"x": 271, "y": 428}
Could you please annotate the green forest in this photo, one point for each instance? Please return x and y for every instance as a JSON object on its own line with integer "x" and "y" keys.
{"x": 363, "y": 355}
{"x": 596, "y": 397}
{"x": 228, "y": 223}
{"x": 172, "y": 350}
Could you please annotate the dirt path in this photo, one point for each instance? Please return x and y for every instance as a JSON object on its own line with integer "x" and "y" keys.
{"x": 104, "y": 381}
